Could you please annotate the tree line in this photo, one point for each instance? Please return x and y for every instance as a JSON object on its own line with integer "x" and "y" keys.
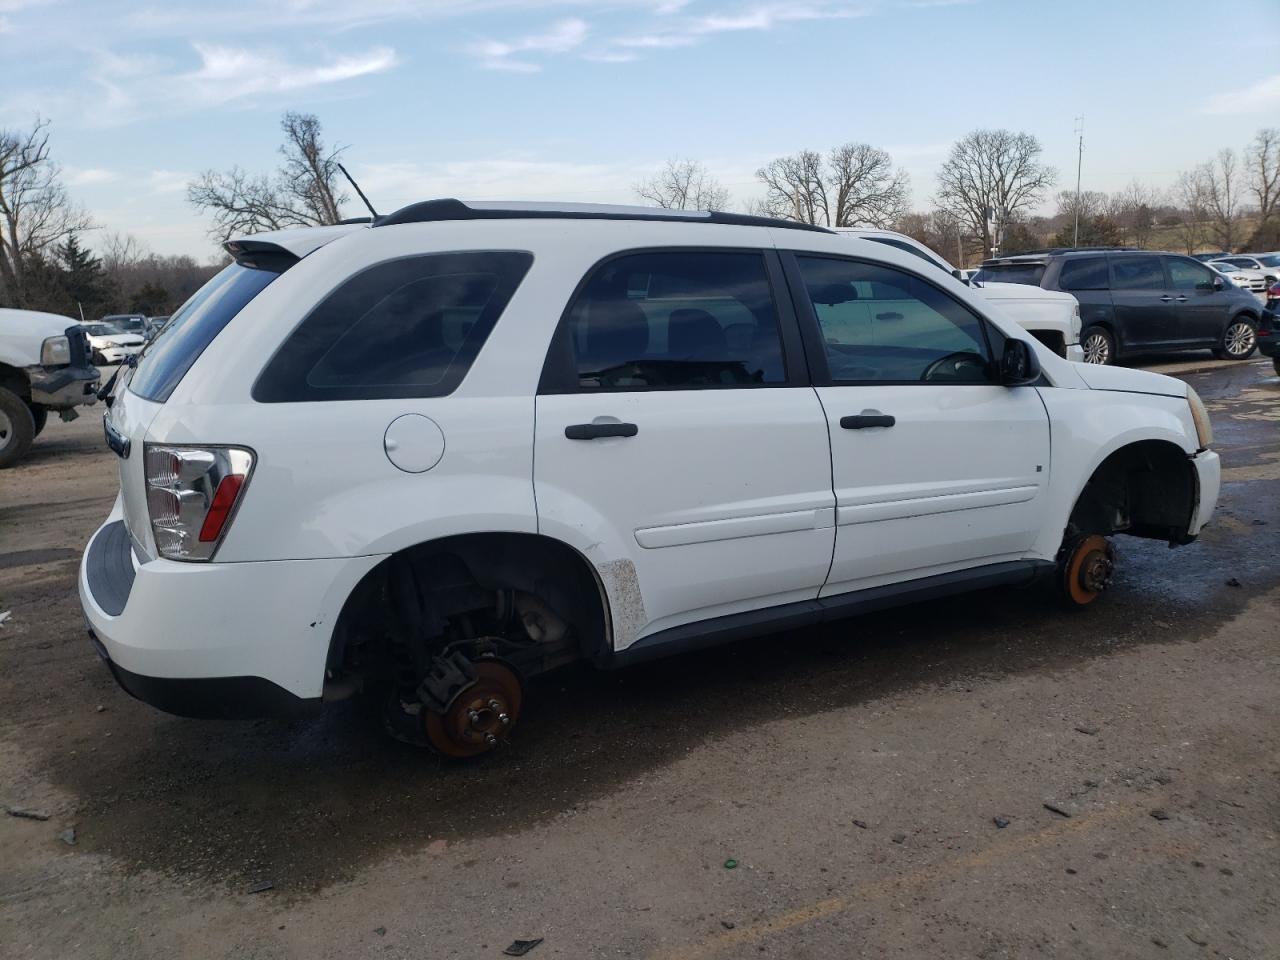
{"x": 989, "y": 190}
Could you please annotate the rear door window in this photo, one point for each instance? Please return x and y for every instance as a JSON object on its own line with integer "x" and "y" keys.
{"x": 1137, "y": 273}
{"x": 1084, "y": 273}
{"x": 193, "y": 327}
{"x": 404, "y": 328}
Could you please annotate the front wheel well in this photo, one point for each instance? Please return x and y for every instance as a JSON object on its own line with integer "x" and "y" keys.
{"x": 432, "y": 594}
{"x": 15, "y": 380}
{"x": 1145, "y": 489}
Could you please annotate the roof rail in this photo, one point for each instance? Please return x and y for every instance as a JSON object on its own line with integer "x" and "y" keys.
{"x": 431, "y": 211}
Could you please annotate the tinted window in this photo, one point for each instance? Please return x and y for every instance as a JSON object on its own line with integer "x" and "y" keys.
{"x": 1029, "y": 273}
{"x": 1136, "y": 273}
{"x": 1185, "y": 274}
{"x": 1270, "y": 260}
{"x": 688, "y": 320}
{"x": 403, "y": 328}
{"x": 880, "y": 324}
{"x": 170, "y": 355}
{"x": 1084, "y": 273}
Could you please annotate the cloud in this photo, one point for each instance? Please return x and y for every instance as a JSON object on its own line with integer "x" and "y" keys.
{"x": 1262, "y": 97}
{"x": 167, "y": 181}
{"x": 84, "y": 177}
{"x": 562, "y": 37}
{"x": 227, "y": 73}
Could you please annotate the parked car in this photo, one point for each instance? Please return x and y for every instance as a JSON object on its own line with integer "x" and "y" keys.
{"x": 44, "y": 368}
{"x": 1269, "y": 328}
{"x": 154, "y": 324}
{"x": 127, "y": 322}
{"x": 109, "y": 344}
{"x": 431, "y": 458}
{"x": 1252, "y": 280}
{"x": 1052, "y": 317}
{"x": 1133, "y": 301}
{"x": 1268, "y": 264}
{"x": 1206, "y": 257}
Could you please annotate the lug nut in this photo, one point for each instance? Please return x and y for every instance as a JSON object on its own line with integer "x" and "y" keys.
{"x": 473, "y": 716}
{"x": 490, "y": 739}
{"x": 495, "y": 705}
{"x": 503, "y": 718}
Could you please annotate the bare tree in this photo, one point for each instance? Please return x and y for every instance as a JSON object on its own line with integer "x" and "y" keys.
{"x": 1222, "y": 188}
{"x": 1133, "y": 210}
{"x": 35, "y": 212}
{"x": 1262, "y": 162}
{"x": 304, "y": 192}
{"x": 993, "y": 178}
{"x": 1188, "y": 195}
{"x": 683, "y": 185}
{"x": 854, "y": 185}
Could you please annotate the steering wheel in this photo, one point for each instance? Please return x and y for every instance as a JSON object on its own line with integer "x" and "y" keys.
{"x": 953, "y": 366}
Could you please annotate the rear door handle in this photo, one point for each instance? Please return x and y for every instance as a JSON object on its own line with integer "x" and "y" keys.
{"x": 594, "y": 431}
{"x": 1166, "y": 298}
{"x": 864, "y": 420}
{"x": 1180, "y": 300}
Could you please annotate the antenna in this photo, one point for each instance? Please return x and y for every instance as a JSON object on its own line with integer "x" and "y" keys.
{"x": 1079, "y": 161}
{"x": 351, "y": 180}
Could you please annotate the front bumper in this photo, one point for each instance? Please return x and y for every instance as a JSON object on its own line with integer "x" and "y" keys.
{"x": 1208, "y": 482}
{"x": 60, "y": 388}
{"x": 214, "y": 639}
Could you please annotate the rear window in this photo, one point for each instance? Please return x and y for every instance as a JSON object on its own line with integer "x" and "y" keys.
{"x": 192, "y": 328}
{"x": 1085, "y": 273}
{"x": 404, "y": 328}
{"x": 1028, "y": 273}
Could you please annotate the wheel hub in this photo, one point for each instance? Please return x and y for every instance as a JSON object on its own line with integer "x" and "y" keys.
{"x": 1089, "y": 569}
{"x": 480, "y": 717}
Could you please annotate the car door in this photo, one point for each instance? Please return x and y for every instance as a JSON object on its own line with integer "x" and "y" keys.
{"x": 935, "y": 466}
{"x": 1142, "y": 303}
{"x": 678, "y": 442}
{"x": 1201, "y": 304}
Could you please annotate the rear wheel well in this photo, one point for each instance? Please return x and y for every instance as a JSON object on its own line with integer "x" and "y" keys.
{"x": 432, "y": 594}
{"x": 1145, "y": 489}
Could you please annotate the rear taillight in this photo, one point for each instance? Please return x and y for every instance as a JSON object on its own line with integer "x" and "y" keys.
{"x": 1274, "y": 292}
{"x": 192, "y": 494}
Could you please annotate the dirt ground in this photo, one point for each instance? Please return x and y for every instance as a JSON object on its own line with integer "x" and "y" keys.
{"x": 854, "y": 773}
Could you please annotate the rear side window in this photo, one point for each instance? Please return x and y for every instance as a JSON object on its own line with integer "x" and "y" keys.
{"x": 192, "y": 328}
{"x": 1137, "y": 273}
{"x": 675, "y": 321}
{"x": 1084, "y": 273}
{"x": 404, "y": 328}
{"x": 1028, "y": 273}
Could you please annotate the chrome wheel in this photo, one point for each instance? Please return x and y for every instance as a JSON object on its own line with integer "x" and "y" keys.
{"x": 1239, "y": 340}
{"x": 6, "y": 429}
{"x": 1097, "y": 348}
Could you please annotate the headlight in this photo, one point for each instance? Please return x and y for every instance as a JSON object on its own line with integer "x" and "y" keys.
{"x": 1204, "y": 429}
{"x": 55, "y": 351}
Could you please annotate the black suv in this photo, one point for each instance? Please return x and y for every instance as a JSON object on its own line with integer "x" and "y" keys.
{"x": 1133, "y": 301}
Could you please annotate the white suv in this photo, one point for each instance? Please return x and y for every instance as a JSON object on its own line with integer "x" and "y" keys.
{"x": 1051, "y": 316}
{"x": 429, "y": 458}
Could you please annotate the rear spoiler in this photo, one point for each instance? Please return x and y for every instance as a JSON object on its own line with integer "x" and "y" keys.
{"x": 260, "y": 255}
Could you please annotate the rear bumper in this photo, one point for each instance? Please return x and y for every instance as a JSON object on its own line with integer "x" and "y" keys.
{"x": 1208, "y": 482}
{"x": 214, "y": 639}
{"x": 65, "y": 387}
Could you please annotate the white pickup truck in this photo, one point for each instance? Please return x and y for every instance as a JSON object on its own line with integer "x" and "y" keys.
{"x": 44, "y": 366}
{"x": 1050, "y": 316}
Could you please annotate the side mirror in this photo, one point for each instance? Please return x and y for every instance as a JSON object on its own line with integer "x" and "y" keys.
{"x": 959, "y": 275}
{"x": 1219, "y": 283}
{"x": 1019, "y": 364}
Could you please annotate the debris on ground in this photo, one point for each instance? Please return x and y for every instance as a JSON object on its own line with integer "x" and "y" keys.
{"x": 1087, "y": 729}
{"x": 1160, "y": 814}
{"x": 4, "y": 616}
{"x": 101, "y": 708}
{"x": 1054, "y": 808}
{"x": 380, "y": 931}
{"x": 68, "y": 836}
{"x": 1233, "y": 582}
{"x": 1000, "y": 822}
{"x": 262, "y": 886}
{"x": 730, "y": 863}
{"x": 519, "y": 948}
{"x": 860, "y": 824}
{"x": 1160, "y": 943}
{"x": 25, "y": 813}
{"x": 1197, "y": 941}
{"x": 899, "y": 838}
{"x": 728, "y": 924}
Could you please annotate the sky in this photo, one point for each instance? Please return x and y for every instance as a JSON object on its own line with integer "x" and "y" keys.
{"x": 507, "y": 99}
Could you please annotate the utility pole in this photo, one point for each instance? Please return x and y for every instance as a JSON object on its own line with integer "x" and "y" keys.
{"x": 1075, "y": 242}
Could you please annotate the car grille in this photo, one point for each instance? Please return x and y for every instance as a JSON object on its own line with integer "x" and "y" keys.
{"x": 1257, "y": 286}
{"x": 79, "y": 341}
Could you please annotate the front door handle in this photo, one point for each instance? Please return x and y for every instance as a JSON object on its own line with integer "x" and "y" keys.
{"x": 1180, "y": 300}
{"x": 864, "y": 420}
{"x": 594, "y": 431}
{"x": 1166, "y": 298}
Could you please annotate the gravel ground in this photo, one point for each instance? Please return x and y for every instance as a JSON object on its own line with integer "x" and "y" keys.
{"x": 854, "y": 773}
